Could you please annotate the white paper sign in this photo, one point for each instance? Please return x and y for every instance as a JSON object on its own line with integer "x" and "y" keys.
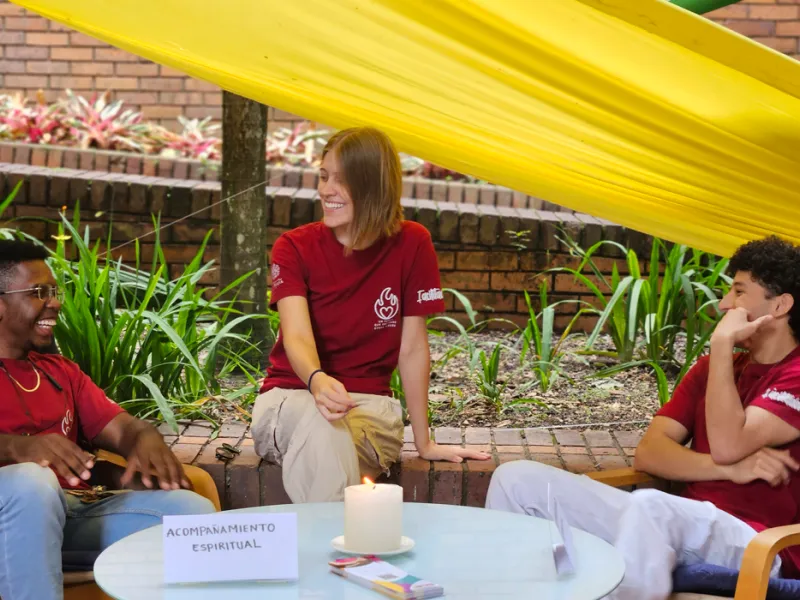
{"x": 564, "y": 554}
{"x": 230, "y": 547}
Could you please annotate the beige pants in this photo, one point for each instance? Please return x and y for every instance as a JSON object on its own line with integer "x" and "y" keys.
{"x": 320, "y": 458}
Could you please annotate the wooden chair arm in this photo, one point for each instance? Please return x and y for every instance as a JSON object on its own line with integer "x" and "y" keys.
{"x": 623, "y": 477}
{"x": 758, "y": 558}
{"x": 201, "y": 481}
{"x": 114, "y": 459}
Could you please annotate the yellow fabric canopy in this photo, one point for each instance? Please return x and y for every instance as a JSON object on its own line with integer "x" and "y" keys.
{"x": 632, "y": 110}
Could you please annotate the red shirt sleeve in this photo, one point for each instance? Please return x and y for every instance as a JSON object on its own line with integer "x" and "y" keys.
{"x": 782, "y": 396}
{"x": 288, "y": 272}
{"x": 682, "y": 406}
{"x": 93, "y": 408}
{"x": 422, "y": 291}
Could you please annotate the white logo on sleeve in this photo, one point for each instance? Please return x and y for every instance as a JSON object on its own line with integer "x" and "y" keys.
{"x": 386, "y": 307}
{"x": 429, "y": 295}
{"x": 786, "y": 398}
{"x": 276, "y": 275}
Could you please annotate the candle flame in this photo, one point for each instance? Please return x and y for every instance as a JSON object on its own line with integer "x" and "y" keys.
{"x": 368, "y": 481}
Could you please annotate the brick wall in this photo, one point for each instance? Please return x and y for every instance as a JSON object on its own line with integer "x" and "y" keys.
{"x": 39, "y": 155}
{"x": 490, "y": 253}
{"x": 36, "y": 53}
{"x": 39, "y": 54}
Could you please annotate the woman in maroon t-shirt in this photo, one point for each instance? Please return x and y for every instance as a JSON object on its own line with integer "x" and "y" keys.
{"x": 352, "y": 292}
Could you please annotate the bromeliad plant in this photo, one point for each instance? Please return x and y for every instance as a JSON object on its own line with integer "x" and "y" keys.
{"x": 301, "y": 145}
{"x": 33, "y": 122}
{"x": 151, "y": 342}
{"x": 103, "y": 124}
{"x": 98, "y": 123}
{"x": 198, "y": 139}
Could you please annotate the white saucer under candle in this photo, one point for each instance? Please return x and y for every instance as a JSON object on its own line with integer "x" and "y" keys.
{"x": 373, "y": 517}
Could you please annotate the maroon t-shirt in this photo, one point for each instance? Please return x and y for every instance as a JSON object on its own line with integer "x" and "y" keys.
{"x": 79, "y": 406}
{"x": 356, "y": 302}
{"x": 775, "y": 388}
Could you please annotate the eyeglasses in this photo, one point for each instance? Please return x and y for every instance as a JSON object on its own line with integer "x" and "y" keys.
{"x": 44, "y": 291}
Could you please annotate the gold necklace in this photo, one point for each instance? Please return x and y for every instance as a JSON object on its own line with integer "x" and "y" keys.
{"x": 22, "y": 387}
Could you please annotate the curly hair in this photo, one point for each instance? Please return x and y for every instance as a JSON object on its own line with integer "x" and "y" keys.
{"x": 14, "y": 252}
{"x": 775, "y": 264}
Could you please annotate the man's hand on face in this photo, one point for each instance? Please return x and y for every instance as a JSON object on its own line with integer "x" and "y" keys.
{"x": 56, "y": 451}
{"x": 736, "y": 327}
{"x": 150, "y": 456}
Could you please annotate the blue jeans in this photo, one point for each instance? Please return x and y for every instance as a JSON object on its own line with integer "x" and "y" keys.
{"x": 39, "y": 524}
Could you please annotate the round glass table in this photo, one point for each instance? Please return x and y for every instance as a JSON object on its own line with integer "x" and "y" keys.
{"x": 474, "y": 553}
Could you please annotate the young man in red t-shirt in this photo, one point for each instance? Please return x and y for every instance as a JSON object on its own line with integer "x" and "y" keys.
{"x": 741, "y": 412}
{"x": 353, "y": 292}
{"x": 45, "y": 402}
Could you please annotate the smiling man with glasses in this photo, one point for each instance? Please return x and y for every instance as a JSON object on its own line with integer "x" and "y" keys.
{"x": 48, "y": 512}
{"x": 43, "y": 292}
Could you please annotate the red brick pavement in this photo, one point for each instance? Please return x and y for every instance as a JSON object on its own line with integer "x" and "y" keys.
{"x": 248, "y": 481}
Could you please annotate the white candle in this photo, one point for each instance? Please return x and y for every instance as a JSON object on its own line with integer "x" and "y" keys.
{"x": 373, "y": 517}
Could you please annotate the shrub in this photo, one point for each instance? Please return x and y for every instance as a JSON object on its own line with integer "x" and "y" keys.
{"x": 153, "y": 343}
{"x": 105, "y": 125}
{"x": 647, "y": 313}
{"x": 540, "y": 344}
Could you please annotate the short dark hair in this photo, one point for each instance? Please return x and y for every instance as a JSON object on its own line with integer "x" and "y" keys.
{"x": 14, "y": 252}
{"x": 775, "y": 264}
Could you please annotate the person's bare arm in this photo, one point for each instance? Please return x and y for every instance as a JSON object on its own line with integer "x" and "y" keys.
{"x": 331, "y": 397}
{"x": 144, "y": 448}
{"x": 733, "y": 431}
{"x": 662, "y": 453}
{"x": 50, "y": 450}
{"x": 414, "y": 364}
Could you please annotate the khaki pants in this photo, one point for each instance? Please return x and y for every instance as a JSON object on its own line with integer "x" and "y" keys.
{"x": 320, "y": 458}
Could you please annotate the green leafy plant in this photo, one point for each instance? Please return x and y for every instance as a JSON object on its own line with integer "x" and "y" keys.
{"x": 487, "y": 377}
{"x": 8, "y": 233}
{"x": 664, "y": 392}
{"x": 464, "y": 342}
{"x": 396, "y": 385}
{"x": 619, "y": 315}
{"x": 540, "y": 343}
{"x": 152, "y": 343}
{"x": 274, "y": 318}
{"x": 646, "y": 313}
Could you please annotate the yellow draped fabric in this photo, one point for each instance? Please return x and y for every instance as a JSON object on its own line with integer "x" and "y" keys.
{"x": 632, "y": 110}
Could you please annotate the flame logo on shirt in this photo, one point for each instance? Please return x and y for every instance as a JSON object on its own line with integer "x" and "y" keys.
{"x": 386, "y": 306}
{"x": 66, "y": 423}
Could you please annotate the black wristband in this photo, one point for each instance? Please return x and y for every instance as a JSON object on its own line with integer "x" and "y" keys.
{"x": 310, "y": 377}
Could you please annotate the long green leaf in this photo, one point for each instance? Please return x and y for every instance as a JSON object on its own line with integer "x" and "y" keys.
{"x": 612, "y": 303}
{"x": 10, "y": 198}
{"x": 161, "y": 401}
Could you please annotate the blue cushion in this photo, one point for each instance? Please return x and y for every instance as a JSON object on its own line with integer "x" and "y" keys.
{"x": 718, "y": 581}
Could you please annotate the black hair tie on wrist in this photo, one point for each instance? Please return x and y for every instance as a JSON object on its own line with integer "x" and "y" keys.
{"x": 310, "y": 377}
